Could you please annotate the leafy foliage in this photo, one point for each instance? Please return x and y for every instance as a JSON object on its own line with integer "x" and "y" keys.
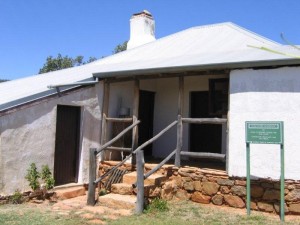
{"x": 120, "y": 48}
{"x": 47, "y": 177}
{"x": 157, "y": 205}
{"x": 33, "y": 177}
{"x": 3, "y": 80}
{"x": 16, "y": 198}
{"x": 63, "y": 62}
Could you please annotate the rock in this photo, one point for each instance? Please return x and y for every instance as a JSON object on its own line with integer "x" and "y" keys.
{"x": 168, "y": 186}
{"x": 189, "y": 186}
{"x": 277, "y": 208}
{"x": 234, "y": 201}
{"x": 293, "y": 195}
{"x": 177, "y": 181}
{"x": 210, "y": 188}
{"x": 226, "y": 182}
{"x": 212, "y": 179}
{"x": 155, "y": 193}
{"x": 271, "y": 195}
{"x": 225, "y": 190}
{"x": 198, "y": 197}
{"x": 267, "y": 185}
{"x": 291, "y": 187}
{"x": 253, "y": 206}
{"x": 182, "y": 195}
{"x": 166, "y": 194}
{"x": 184, "y": 174}
{"x": 256, "y": 191}
{"x": 197, "y": 185}
{"x": 240, "y": 182}
{"x": 295, "y": 208}
{"x": 196, "y": 176}
{"x": 123, "y": 189}
{"x": 37, "y": 201}
{"x": 188, "y": 170}
{"x": 266, "y": 207}
{"x": 213, "y": 172}
{"x": 186, "y": 179}
{"x": 217, "y": 200}
{"x": 238, "y": 190}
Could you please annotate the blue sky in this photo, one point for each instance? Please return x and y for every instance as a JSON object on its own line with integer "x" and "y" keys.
{"x": 31, "y": 30}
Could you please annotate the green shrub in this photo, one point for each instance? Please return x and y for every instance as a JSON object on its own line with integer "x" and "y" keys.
{"x": 33, "y": 177}
{"x": 47, "y": 177}
{"x": 157, "y": 205}
{"x": 102, "y": 192}
{"x": 16, "y": 198}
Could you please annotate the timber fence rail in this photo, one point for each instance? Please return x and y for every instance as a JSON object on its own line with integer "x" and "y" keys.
{"x": 140, "y": 156}
{"x": 93, "y": 164}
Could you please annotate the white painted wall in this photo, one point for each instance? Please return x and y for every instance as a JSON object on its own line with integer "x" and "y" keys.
{"x": 265, "y": 95}
{"x": 28, "y": 135}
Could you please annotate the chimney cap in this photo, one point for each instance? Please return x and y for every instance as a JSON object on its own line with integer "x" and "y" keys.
{"x": 143, "y": 13}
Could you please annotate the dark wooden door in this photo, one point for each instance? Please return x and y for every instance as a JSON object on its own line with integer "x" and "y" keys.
{"x": 204, "y": 137}
{"x": 67, "y": 144}
{"x": 146, "y": 115}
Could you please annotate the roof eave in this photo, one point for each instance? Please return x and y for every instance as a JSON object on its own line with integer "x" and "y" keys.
{"x": 182, "y": 69}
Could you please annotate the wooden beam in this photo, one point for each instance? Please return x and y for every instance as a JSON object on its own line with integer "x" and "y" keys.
{"x": 140, "y": 163}
{"x": 105, "y": 107}
{"x": 107, "y": 144}
{"x": 119, "y": 149}
{"x": 92, "y": 177}
{"x": 168, "y": 75}
{"x": 179, "y": 124}
{"x": 119, "y": 120}
{"x": 135, "y": 114}
{"x": 156, "y": 136}
{"x": 204, "y": 155}
{"x": 161, "y": 164}
{"x": 205, "y": 120}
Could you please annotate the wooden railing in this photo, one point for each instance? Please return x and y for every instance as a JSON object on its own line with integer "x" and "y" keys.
{"x": 93, "y": 163}
{"x": 140, "y": 156}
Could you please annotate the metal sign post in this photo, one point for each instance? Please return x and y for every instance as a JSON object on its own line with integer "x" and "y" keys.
{"x": 265, "y": 132}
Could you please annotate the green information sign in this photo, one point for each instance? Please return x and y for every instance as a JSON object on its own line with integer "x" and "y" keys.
{"x": 264, "y": 132}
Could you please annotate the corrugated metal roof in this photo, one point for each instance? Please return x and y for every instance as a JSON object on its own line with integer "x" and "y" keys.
{"x": 222, "y": 45}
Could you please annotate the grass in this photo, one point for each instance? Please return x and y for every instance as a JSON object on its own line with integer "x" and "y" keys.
{"x": 28, "y": 215}
{"x": 189, "y": 213}
{"x": 177, "y": 213}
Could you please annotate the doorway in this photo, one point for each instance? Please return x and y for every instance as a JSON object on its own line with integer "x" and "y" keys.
{"x": 203, "y": 137}
{"x": 66, "y": 157}
{"x": 146, "y": 115}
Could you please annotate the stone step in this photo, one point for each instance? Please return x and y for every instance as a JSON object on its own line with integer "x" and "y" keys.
{"x": 127, "y": 189}
{"x": 117, "y": 201}
{"x": 154, "y": 179}
{"x": 69, "y": 192}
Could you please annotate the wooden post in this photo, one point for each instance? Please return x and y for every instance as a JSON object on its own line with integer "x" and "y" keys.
{"x": 92, "y": 177}
{"x": 105, "y": 104}
{"x": 135, "y": 114}
{"x": 140, "y": 181}
{"x": 179, "y": 125}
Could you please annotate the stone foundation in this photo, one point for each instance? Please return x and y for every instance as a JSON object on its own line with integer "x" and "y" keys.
{"x": 209, "y": 186}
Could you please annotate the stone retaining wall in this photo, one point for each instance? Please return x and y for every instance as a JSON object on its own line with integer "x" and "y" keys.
{"x": 209, "y": 186}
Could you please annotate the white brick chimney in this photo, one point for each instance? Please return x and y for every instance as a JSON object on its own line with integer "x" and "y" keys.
{"x": 142, "y": 29}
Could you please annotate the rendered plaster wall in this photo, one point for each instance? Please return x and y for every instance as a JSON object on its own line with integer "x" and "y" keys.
{"x": 265, "y": 95}
{"x": 28, "y": 135}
